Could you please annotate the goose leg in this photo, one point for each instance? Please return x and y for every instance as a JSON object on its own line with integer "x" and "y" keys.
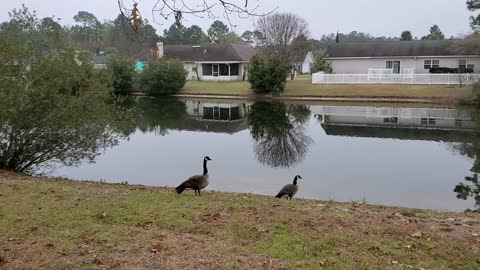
{"x": 195, "y": 192}
{"x": 199, "y": 194}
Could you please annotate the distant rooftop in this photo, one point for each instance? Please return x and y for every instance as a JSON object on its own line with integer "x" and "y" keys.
{"x": 210, "y": 52}
{"x": 394, "y": 48}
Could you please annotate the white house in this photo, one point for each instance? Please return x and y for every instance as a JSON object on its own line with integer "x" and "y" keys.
{"x": 416, "y": 56}
{"x": 213, "y": 62}
{"x": 303, "y": 62}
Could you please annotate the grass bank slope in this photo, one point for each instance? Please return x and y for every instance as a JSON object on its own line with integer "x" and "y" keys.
{"x": 303, "y": 87}
{"x": 62, "y": 224}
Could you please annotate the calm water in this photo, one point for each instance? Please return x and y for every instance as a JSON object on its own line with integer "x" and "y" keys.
{"x": 400, "y": 156}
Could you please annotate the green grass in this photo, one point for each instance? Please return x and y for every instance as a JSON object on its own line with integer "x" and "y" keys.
{"x": 303, "y": 87}
{"x": 62, "y": 224}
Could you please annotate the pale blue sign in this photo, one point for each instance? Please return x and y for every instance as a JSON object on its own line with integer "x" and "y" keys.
{"x": 139, "y": 65}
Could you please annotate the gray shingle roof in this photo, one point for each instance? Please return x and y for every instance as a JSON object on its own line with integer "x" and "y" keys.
{"x": 210, "y": 52}
{"x": 393, "y": 48}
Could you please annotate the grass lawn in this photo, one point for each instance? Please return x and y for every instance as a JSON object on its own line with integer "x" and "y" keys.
{"x": 302, "y": 86}
{"x": 61, "y": 224}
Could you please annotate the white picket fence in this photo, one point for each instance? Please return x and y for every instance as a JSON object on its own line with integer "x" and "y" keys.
{"x": 430, "y": 79}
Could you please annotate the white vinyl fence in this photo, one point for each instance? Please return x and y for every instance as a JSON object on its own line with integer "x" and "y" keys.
{"x": 382, "y": 78}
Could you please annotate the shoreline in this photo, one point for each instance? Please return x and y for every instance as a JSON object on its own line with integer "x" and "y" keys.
{"x": 50, "y": 223}
{"x": 437, "y": 101}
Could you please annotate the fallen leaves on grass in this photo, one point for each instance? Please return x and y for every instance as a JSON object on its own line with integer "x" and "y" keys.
{"x": 156, "y": 248}
{"x": 101, "y": 215}
{"x": 417, "y": 234}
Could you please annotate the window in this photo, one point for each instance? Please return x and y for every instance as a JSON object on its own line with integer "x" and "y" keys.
{"x": 224, "y": 70}
{"x": 395, "y": 65}
{"x": 390, "y": 120}
{"x": 463, "y": 64}
{"x": 428, "y": 121}
{"x": 207, "y": 69}
{"x": 233, "y": 69}
{"x": 428, "y": 64}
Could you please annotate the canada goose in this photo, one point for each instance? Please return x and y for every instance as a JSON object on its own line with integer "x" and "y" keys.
{"x": 289, "y": 190}
{"x": 196, "y": 182}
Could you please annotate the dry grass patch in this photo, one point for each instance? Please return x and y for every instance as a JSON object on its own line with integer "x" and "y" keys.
{"x": 303, "y": 87}
{"x": 62, "y": 224}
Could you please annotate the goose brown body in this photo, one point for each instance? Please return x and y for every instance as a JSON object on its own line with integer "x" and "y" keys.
{"x": 289, "y": 190}
{"x": 196, "y": 182}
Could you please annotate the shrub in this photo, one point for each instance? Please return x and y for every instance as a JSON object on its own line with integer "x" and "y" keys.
{"x": 59, "y": 112}
{"x": 122, "y": 72}
{"x": 267, "y": 73}
{"x": 319, "y": 62}
{"x": 163, "y": 77}
{"x": 450, "y": 70}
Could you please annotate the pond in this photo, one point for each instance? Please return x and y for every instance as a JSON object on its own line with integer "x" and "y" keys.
{"x": 398, "y": 155}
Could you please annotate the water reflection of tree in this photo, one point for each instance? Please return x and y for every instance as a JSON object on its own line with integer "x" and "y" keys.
{"x": 156, "y": 115}
{"x": 279, "y": 133}
{"x": 471, "y": 148}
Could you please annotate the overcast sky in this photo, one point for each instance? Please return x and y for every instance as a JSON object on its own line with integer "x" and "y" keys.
{"x": 377, "y": 17}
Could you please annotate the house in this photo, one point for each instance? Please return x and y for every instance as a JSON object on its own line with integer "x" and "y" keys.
{"x": 416, "y": 57}
{"x": 212, "y": 62}
{"x": 302, "y": 62}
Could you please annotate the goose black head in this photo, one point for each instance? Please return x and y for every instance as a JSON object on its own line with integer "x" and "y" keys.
{"x": 298, "y": 177}
{"x": 207, "y": 158}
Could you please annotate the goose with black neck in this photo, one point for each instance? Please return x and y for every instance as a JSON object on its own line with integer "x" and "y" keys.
{"x": 196, "y": 182}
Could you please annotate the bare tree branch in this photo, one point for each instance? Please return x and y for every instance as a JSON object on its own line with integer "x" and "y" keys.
{"x": 180, "y": 9}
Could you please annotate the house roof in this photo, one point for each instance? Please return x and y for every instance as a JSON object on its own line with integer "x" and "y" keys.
{"x": 394, "y": 48}
{"x": 210, "y": 52}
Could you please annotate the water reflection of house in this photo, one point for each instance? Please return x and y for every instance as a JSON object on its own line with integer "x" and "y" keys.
{"x": 443, "y": 124}
{"x": 217, "y": 117}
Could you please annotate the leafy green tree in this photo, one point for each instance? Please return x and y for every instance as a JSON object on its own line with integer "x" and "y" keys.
{"x": 55, "y": 110}
{"x": 122, "y": 72}
{"x": 230, "y": 37}
{"x": 353, "y": 36}
{"x": 163, "y": 76}
{"x": 435, "y": 34}
{"x": 406, "y": 36}
{"x": 248, "y": 37}
{"x": 217, "y": 31}
{"x": 474, "y": 5}
{"x": 129, "y": 42}
{"x": 29, "y": 33}
{"x": 87, "y": 19}
{"x": 174, "y": 35}
{"x": 267, "y": 73}
{"x": 320, "y": 63}
{"x": 90, "y": 28}
{"x": 194, "y": 35}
